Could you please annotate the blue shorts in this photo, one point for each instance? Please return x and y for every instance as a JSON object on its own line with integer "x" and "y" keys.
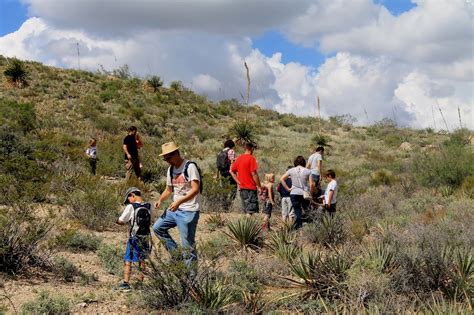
{"x": 315, "y": 177}
{"x": 137, "y": 249}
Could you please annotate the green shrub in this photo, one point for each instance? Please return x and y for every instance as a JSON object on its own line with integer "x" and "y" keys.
{"x": 47, "y": 304}
{"x": 215, "y": 221}
{"x": 459, "y": 137}
{"x": 94, "y": 205}
{"x": 155, "y": 83}
{"x": 76, "y": 241}
{"x": 283, "y": 243}
{"x": 168, "y": 284}
{"x": 17, "y": 116}
{"x": 217, "y": 194}
{"x": 213, "y": 248}
{"x": 111, "y": 258}
{"x": 22, "y": 236}
{"x": 246, "y": 233}
{"x": 65, "y": 269}
{"x": 383, "y": 177}
{"x": 16, "y": 73}
{"x": 245, "y": 277}
{"x": 176, "y": 85}
{"x": 447, "y": 167}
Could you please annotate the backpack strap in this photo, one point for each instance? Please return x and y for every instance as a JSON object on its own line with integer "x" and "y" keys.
{"x": 186, "y": 175}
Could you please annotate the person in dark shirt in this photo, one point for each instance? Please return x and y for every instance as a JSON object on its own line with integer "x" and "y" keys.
{"x": 286, "y": 207}
{"x": 132, "y": 160}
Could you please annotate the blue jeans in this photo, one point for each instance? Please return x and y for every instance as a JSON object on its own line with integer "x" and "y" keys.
{"x": 186, "y": 221}
{"x": 297, "y": 201}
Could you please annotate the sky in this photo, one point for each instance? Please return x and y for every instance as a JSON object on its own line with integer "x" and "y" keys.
{"x": 408, "y": 60}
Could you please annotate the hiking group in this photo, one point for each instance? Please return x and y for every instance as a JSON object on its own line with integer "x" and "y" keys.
{"x": 299, "y": 187}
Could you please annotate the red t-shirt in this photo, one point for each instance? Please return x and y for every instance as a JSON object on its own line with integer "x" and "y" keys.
{"x": 244, "y": 166}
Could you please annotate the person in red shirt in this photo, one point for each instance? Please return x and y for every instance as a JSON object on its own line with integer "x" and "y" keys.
{"x": 244, "y": 172}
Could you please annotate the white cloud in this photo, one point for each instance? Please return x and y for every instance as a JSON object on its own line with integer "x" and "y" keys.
{"x": 381, "y": 65}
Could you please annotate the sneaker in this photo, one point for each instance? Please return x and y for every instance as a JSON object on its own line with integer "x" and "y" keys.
{"x": 124, "y": 286}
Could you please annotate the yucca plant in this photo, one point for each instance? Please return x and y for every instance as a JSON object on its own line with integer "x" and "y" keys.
{"x": 253, "y": 301}
{"x": 155, "y": 83}
{"x": 215, "y": 221}
{"x": 329, "y": 231}
{"x": 321, "y": 140}
{"x": 211, "y": 294}
{"x": 244, "y": 132}
{"x": 384, "y": 257}
{"x": 284, "y": 246}
{"x": 461, "y": 284}
{"x": 440, "y": 305}
{"x": 16, "y": 73}
{"x": 246, "y": 233}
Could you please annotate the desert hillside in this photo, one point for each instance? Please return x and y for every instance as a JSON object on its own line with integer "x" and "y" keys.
{"x": 401, "y": 240}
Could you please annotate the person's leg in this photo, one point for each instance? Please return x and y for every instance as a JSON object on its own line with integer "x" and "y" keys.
{"x": 136, "y": 168}
{"x": 142, "y": 266}
{"x": 187, "y": 224}
{"x": 233, "y": 185}
{"x": 129, "y": 168}
{"x": 296, "y": 203}
{"x": 267, "y": 210}
{"x": 285, "y": 208}
{"x": 162, "y": 225}
{"x": 93, "y": 164}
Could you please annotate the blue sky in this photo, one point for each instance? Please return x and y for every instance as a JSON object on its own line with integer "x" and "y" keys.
{"x": 13, "y": 13}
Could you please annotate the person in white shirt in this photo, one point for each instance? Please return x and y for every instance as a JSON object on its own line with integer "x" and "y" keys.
{"x": 330, "y": 194}
{"x": 299, "y": 183}
{"x": 315, "y": 164}
{"x": 183, "y": 181}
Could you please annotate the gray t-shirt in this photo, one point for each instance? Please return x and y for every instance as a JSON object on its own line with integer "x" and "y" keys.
{"x": 299, "y": 179}
{"x": 313, "y": 162}
{"x": 181, "y": 187}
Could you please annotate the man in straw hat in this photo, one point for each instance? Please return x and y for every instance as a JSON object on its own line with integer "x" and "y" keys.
{"x": 183, "y": 181}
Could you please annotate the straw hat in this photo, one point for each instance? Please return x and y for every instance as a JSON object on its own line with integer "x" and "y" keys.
{"x": 168, "y": 147}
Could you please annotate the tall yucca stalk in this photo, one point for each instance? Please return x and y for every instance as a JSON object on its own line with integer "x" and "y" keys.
{"x": 246, "y": 233}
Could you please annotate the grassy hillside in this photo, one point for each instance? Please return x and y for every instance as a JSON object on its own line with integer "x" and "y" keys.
{"x": 402, "y": 239}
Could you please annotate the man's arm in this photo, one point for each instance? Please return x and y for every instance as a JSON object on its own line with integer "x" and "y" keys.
{"x": 190, "y": 195}
{"x": 330, "y": 194}
{"x": 283, "y": 182}
{"x": 125, "y": 149}
{"x": 256, "y": 179}
{"x": 234, "y": 176}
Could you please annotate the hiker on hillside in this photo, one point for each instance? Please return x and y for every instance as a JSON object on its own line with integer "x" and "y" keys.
{"x": 184, "y": 182}
{"x": 286, "y": 207}
{"x": 130, "y": 148}
{"x": 224, "y": 160}
{"x": 315, "y": 164}
{"x": 299, "y": 188}
{"x": 91, "y": 153}
{"x": 267, "y": 197}
{"x": 137, "y": 214}
{"x": 244, "y": 172}
{"x": 330, "y": 193}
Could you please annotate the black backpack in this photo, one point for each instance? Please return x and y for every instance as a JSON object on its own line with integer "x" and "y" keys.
{"x": 186, "y": 175}
{"x": 223, "y": 162}
{"x": 141, "y": 220}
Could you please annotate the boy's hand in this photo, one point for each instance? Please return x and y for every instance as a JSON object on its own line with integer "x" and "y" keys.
{"x": 157, "y": 204}
{"x": 174, "y": 206}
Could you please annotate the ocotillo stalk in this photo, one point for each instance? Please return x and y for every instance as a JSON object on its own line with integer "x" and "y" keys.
{"x": 442, "y": 116}
{"x": 459, "y": 114}
{"x": 248, "y": 82}
{"x": 319, "y": 115}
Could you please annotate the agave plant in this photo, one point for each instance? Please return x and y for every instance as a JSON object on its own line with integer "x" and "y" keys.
{"x": 246, "y": 233}
{"x": 461, "y": 284}
{"x": 155, "y": 83}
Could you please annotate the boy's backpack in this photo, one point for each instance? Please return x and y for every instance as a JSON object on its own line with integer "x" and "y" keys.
{"x": 223, "y": 162}
{"x": 141, "y": 220}
{"x": 186, "y": 175}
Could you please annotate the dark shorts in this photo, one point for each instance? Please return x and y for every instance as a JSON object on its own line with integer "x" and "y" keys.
{"x": 249, "y": 200}
{"x": 331, "y": 210}
{"x": 267, "y": 208}
{"x": 137, "y": 249}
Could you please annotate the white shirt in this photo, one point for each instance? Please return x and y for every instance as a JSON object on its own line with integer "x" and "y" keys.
{"x": 92, "y": 152}
{"x": 127, "y": 214}
{"x": 332, "y": 186}
{"x": 299, "y": 179}
{"x": 181, "y": 187}
{"x": 313, "y": 160}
